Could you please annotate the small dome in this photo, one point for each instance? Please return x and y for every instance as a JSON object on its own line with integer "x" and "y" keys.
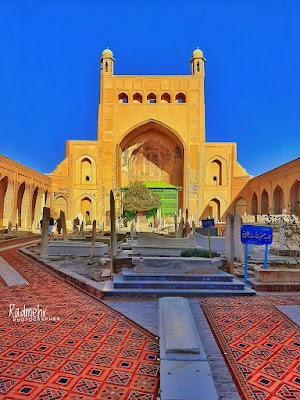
{"x": 107, "y": 53}
{"x": 197, "y": 53}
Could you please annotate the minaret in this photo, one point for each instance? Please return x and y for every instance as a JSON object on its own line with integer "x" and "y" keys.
{"x": 197, "y": 63}
{"x": 107, "y": 62}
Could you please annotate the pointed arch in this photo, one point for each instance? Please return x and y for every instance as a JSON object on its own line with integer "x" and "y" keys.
{"x": 278, "y": 200}
{"x": 216, "y": 171}
{"x": 33, "y": 204}
{"x": 20, "y": 198}
{"x": 147, "y": 125}
{"x": 264, "y": 202}
{"x": 215, "y": 208}
{"x": 151, "y": 98}
{"x": 165, "y": 98}
{"x": 86, "y": 170}
{"x": 60, "y": 204}
{"x": 240, "y": 206}
{"x": 180, "y": 98}
{"x": 254, "y": 204}
{"x": 123, "y": 98}
{"x": 137, "y": 98}
{"x": 151, "y": 152}
{"x": 295, "y": 198}
{"x": 86, "y": 209}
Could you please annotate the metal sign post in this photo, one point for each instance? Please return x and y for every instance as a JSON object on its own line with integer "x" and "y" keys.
{"x": 259, "y": 235}
{"x": 208, "y": 223}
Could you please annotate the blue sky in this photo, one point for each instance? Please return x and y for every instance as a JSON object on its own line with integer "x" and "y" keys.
{"x": 49, "y": 70}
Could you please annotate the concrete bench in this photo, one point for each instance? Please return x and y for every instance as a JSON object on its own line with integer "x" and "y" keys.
{"x": 184, "y": 369}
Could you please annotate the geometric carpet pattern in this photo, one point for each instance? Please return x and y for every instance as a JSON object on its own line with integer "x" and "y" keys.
{"x": 260, "y": 344}
{"x": 69, "y": 346}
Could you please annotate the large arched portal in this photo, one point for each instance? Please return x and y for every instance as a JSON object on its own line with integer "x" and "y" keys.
{"x": 151, "y": 152}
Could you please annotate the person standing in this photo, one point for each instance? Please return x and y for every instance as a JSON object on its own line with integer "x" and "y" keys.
{"x": 51, "y": 224}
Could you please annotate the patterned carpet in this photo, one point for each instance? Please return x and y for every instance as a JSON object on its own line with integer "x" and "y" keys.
{"x": 260, "y": 344}
{"x": 83, "y": 350}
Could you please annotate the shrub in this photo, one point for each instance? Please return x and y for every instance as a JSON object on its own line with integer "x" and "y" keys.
{"x": 198, "y": 253}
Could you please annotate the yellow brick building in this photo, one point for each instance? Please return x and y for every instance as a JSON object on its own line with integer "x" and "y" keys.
{"x": 150, "y": 129}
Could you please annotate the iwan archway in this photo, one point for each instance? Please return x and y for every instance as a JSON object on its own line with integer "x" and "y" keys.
{"x": 151, "y": 152}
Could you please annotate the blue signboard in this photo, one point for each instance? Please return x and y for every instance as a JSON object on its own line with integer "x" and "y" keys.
{"x": 255, "y": 234}
{"x": 208, "y": 223}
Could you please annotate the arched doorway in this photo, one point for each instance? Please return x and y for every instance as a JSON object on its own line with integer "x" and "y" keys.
{"x": 33, "y": 205}
{"x": 3, "y": 189}
{"x": 278, "y": 200}
{"x": 60, "y": 203}
{"x": 151, "y": 152}
{"x": 212, "y": 210}
{"x": 295, "y": 198}
{"x": 20, "y": 197}
{"x": 254, "y": 204}
{"x": 216, "y": 172}
{"x": 86, "y": 170}
{"x": 264, "y": 202}
{"x": 240, "y": 206}
{"x": 86, "y": 209}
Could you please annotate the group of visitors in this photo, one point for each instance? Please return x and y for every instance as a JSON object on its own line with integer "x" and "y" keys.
{"x": 52, "y": 224}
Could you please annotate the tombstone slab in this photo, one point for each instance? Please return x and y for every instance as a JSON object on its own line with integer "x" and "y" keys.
{"x": 176, "y": 265}
{"x": 56, "y": 248}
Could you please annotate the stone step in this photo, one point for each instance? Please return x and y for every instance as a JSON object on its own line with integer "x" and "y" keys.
{"x": 130, "y": 275}
{"x": 120, "y": 282}
{"x": 110, "y": 291}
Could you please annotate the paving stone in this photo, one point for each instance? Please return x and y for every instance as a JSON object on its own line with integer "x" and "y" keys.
{"x": 10, "y": 276}
{"x": 105, "y": 273}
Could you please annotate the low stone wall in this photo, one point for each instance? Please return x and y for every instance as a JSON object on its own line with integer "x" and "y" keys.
{"x": 276, "y": 275}
{"x": 276, "y": 279}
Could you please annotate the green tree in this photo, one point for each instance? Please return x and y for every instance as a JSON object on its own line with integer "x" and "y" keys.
{"x": 139, "y": 198}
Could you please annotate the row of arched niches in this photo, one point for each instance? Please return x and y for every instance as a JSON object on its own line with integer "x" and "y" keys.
{"x": 151, "y": 98}
{"x": 276, "y": 201}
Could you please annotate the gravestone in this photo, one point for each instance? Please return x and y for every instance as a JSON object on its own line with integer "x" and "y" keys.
{"x": 193, "y": 226}
{"x": 93, "y": 239}
{"x": 175, "y": 224}
{"x": 45, "y": 235}
{"x": 132, "y": 231}
{"x": 113, "y": 233}
{"x": 187, "y": 229}
{"x": 80, "y": 234}
{"x": 63, "y": 225}
{"x": 180, "y": 228}
{"x": 238, "y": 245}
{"x": 282, "y": 238}
{"x": 229, "y": 244}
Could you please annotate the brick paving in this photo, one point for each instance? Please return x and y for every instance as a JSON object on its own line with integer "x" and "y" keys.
{"x": 260, "y": 344}
{"x": 81, "y": 350}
